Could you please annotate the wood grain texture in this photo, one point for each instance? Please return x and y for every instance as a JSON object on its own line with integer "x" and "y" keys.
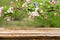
{"x": 33, "y": 32}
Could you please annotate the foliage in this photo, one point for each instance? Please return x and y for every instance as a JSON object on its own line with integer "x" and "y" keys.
{"x": 46, "y": 19}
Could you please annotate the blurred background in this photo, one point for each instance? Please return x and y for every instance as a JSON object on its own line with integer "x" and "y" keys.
{"x": 30, "y": 13}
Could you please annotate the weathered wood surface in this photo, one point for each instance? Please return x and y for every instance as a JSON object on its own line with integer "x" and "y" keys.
{"x": 32, "y": 32}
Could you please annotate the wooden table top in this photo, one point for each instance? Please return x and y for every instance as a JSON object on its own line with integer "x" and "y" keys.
{"x": 6, "y": 32}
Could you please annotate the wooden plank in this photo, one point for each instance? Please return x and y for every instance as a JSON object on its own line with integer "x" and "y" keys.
{"x": 33, "y": 32}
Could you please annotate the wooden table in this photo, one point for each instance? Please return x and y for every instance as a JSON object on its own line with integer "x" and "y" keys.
{"x": 30, "y": 34}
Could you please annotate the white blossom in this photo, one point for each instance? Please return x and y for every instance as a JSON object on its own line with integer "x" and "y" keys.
{"x": 34, "y": 13}
{"x": 41, "y": 11}
{"x": 29, "y": 13}
{"x": 36, "y": 8}
{"x": 53, "y": 1}
{"x": 27, "y": 0}
{"x": 1, "y": 8}
{"x": 8, "y": 18}
{"x": 41, "y": 3}
{"x": 55, "y": 14}
{"x": 24, "y": 4}
{"x": 10, "y": 10}
{"x": 16, "y": 0}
